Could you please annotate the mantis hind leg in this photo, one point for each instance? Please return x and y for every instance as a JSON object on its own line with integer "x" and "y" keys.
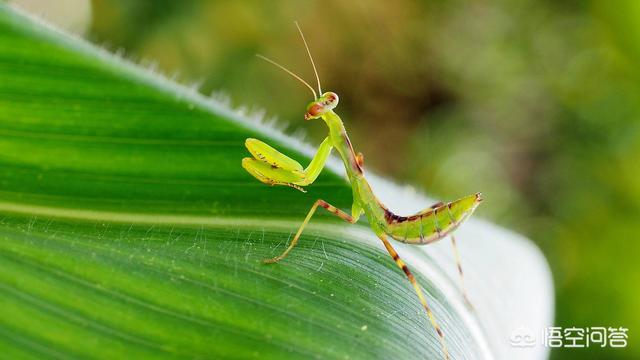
{"x": 456, "y": 253}
{"x": 418, "y": 290}
{"x": 458, "y": 264}
{"x": 332, "y": 209}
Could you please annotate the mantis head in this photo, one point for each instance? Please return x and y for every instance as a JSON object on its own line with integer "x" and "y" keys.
{"x": 325, "y": 103}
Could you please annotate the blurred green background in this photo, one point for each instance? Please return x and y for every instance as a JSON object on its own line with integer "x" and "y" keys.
{"x": 534, "y": 103}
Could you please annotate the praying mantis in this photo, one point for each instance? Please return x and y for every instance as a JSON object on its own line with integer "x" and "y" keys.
{"x": 271, "y": 167}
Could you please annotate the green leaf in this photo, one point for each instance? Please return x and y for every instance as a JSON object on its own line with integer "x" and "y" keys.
{"x": 129, "y": 229}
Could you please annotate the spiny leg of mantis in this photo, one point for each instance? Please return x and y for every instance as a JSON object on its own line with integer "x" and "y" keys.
{"x": 458, "y": 263}
{"x": 418, "y": 289}
{"x": 332, "y": 209}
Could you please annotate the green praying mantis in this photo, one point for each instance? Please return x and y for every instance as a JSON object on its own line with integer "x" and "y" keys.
{"x": 434, "y": 223}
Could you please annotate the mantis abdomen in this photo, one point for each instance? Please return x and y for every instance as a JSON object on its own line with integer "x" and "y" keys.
{"x": 430, "y": 224}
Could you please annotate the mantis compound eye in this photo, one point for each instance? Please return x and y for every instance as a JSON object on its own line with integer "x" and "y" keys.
{"x": 330, "y": 99}
{"x": 314, "y": 110}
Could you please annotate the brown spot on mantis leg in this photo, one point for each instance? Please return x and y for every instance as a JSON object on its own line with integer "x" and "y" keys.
{"x": 406, "y": 270}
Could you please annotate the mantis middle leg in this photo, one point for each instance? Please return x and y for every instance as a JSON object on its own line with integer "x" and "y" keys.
{"x": 332, "y": 209}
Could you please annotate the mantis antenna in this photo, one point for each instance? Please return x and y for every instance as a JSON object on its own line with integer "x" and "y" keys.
{"x": 310, "y": 57}
{"x": 290, "y": 73}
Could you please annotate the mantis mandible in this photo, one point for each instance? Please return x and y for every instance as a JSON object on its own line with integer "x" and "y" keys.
{"x": 434, "y": 223}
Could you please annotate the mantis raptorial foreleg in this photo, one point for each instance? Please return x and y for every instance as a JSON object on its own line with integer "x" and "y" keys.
{"x": 317, "y": 163}
{"x": 330, "y": 208}
{"x": 417, "y": 288}
{"x": 271, "y": 175}
{"x": 274, "y": 168}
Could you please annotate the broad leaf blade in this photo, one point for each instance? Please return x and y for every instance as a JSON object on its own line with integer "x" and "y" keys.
{"x": 131, "y": 230}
